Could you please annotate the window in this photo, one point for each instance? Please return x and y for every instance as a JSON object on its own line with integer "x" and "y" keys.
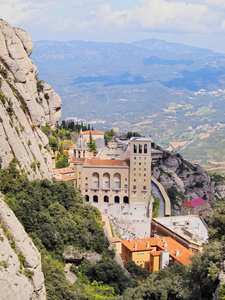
{"x": 95, "y": 180}
{"x": 86, "y": 185}
{"x": 139, "y": 158}
{"x": 134, "y": 187}
{"x": 134, "y": 169}
{"x": 145, "y": 148}
{"x": 135, "y": 148}
{"x": 86, "y": 198}
{"x": 106, "y": 180}
{"x": 144, "y": 187}
{"x": 134, "y": 180}
{"x": 139, "y": 164}
{"x": 140, "y": 148}
{"x": 117, "y": 181}
{"x": 125, "y": 186}
{"x": 86, "y": 178}
{"x": 135, "y": 157}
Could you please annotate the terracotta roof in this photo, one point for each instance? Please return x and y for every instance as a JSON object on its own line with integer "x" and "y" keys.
{"x": 93, "y": 132}
{"x": 171, "y": 246}
{"x": 105, "y": 162}
{"x": 66, "y": 178}
{"x": 195, "y": 202}
{"x": 63, "y": 171}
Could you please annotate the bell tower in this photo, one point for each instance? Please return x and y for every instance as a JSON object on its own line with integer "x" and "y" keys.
{"x": 140, "y": 169}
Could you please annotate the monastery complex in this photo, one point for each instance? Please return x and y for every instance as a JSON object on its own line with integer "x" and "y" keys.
{"x": 118, "y": 182}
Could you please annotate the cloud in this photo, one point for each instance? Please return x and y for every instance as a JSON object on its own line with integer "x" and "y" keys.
{"x": 19, "y": 11}
{"x": 155, "y": 15}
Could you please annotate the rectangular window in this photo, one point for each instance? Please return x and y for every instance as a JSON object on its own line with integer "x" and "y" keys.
{"x": 134, "y": 187}
{"x": 125, "y": 186}
{"x": 135, "y": 157}
{"x": 86, "y": 178}
{"x": 144, "y": 187}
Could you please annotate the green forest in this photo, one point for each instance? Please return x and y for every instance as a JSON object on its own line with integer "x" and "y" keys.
{"x": 54, "y": 216}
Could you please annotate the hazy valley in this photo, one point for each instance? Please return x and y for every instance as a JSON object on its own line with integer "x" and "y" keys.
{"x": 172, "y": 92}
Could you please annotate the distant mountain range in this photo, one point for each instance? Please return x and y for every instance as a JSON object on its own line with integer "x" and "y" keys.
{"x": 167, "y": 90}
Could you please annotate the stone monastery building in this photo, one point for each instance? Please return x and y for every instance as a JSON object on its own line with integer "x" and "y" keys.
{"x": 117, "y": 181}
{"x": 114, "y": 175}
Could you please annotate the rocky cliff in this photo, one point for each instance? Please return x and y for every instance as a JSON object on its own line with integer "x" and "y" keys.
{"x": 26, "y": 103}
{"x": 21, "y": 276}
{"x": 181, "y": 177}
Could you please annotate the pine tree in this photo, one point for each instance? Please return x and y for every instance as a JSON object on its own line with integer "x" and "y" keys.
{"x": 92, "y": 145}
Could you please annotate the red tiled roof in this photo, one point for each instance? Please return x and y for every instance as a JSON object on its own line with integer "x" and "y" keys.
{"x": 93, "y": 132}
{"x": 105, "y": 162}
{"x": 195, "y": 202}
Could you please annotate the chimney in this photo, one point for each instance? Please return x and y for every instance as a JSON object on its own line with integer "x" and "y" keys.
{"x": 135, "y": 245}
{"x": 163, "y": 238}
{"x": 147, "y": 244}
{"x": 130, "y": 240}
{"x": 177, "y": 253}
{"x": 165, "y": 244}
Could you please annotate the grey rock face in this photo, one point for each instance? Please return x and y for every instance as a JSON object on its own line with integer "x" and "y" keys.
{"x": 186, "y": 177}
{"x": 26, "y": 104}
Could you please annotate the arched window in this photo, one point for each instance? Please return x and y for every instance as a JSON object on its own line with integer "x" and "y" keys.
{"x": 117, "y": 199}
{"x": 145, "y": 148}
{"x": 95, "y": 198}
{"x": 86, "y": 198}
{"x": 95, "y": 180}
{"x": 106, "y": 198}
{"x": 106, "y": 181}
{"x": 135, "y": 148}
{"x": 117, "y": 181}
{"x": 125, "y": 199}
{"x": 140, "y": 148}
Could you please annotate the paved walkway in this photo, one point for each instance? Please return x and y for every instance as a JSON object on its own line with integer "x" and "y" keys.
{"x": 69, "y": 275}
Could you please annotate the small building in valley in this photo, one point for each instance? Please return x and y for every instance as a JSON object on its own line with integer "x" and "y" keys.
{"x": 197, "y": 206}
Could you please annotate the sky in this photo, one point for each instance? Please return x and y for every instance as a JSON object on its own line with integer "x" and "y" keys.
{"x": 199, "y": 23}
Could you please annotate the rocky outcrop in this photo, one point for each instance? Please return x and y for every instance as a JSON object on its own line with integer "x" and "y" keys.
{"x": 71, "y": 254}
{"x": 26, "y": 104}
{"x": 172, "y": 171}
{"x": 21, "y": 276}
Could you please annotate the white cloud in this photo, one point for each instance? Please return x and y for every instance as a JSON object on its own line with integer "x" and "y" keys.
{"x": 155, "y": 15}
{"x": 18, "y": 11}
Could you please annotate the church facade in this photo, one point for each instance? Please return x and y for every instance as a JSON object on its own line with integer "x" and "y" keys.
{"x": 114, "y": 176}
